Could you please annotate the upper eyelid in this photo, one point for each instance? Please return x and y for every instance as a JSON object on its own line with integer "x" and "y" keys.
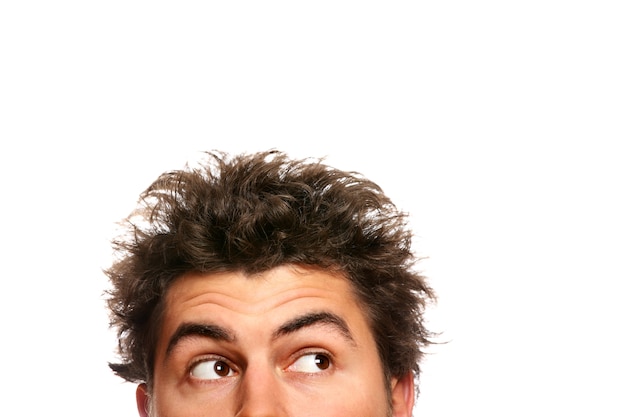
{"x": 313, "y": 352}
{"x": 210, "y": 357}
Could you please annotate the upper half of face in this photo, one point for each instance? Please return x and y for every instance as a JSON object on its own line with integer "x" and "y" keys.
{"x": 288, "y": 342}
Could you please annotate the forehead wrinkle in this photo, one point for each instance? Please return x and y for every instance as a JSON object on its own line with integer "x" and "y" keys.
{"x": 259, "y": 305}
{"x": 253, "y": 289}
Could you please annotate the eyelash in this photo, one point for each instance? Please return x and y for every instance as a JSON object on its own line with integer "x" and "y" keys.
{"x": 210, "y": 358}
{"x": 292, "y": 362}
{"x": 302, "y": 354}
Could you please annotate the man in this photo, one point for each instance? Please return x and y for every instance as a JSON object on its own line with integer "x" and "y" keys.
{"x": 258, "y": 285}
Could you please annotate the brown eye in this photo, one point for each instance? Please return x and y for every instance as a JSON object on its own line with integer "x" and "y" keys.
{"x": 221, "y": 368}
{"x": 322, "y": 361}
{"x": 211, "y": 369}
{"x": 311, "y": 363}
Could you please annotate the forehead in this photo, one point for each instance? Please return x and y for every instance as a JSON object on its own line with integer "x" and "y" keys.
{"x": 260, "y": 292}
{"x": 264, "y": 300}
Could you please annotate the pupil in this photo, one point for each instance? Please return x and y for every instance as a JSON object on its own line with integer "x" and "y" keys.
{"x": 221, "y": 368}
{"x": 322, "y": 361}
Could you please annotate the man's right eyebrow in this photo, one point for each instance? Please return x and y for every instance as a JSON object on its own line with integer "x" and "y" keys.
{"x": 204, "y": 330}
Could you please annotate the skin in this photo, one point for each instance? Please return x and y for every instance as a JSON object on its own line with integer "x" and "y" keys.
{"x": 288, "y": 342}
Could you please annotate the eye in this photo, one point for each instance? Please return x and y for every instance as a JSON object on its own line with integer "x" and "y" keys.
{"x": 211, "y": 369}
{"x": 311, "y": 363}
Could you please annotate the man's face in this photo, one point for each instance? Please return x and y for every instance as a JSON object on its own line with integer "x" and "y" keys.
{"x": 290, "y": 342}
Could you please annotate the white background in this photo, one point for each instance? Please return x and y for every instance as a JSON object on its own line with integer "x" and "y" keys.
{"x": 498, "y": 125}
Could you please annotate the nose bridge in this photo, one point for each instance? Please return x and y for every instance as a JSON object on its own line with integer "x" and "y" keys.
{"x": 260, "y": 393}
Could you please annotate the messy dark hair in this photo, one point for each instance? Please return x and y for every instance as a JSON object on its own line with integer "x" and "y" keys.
{"x": 254, "y": 212}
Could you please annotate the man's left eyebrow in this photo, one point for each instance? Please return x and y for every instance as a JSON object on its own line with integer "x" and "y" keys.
{"x": 314, "y": 319}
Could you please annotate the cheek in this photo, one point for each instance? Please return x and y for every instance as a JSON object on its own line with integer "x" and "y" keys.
{"x": 171, "y": 406}
{"x": 360, "y": 398}
{"x": 362, "y": 407}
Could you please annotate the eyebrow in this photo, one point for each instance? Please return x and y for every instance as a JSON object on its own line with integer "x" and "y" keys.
{"x": 215, "y": 332}
{"x": 314, "y": 319}
{"x": 188, "y": 330}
